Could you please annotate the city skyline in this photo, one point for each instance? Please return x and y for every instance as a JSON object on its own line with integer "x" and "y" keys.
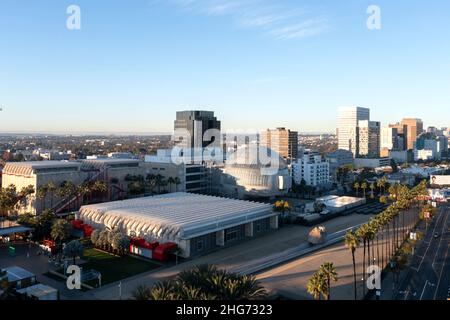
{"x": 275, "y": 64}
{"x": 225, "y": 125}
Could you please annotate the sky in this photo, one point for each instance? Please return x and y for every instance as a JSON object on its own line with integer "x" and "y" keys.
{"x": 256, "y": 63}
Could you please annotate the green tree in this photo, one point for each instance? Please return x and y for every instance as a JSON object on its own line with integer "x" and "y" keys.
{"x": 364, "y": 188}
{"x": 60, "y": 230}
{"x": 177, "y": 182}
{"x": 170, "y": 181}
{"x": 41, "y": 194}
{"x": 356, "y": 186}
{"x": 142, "y": 293}
{"x": 206, "y": 282}
{"x": 73, "y": 250}
{"x": 329, "y": 272}
{"x": 316, "y": 285}
{"x": 51, "y": 189}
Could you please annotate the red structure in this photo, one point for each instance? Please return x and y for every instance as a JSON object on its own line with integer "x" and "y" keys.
{"x": 49, "y": 245}
{"x": 163, "y": 251}
{"x": 79, "y": 225}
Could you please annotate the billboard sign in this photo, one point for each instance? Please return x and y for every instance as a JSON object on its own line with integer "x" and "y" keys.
{"x": 440, "y": 180}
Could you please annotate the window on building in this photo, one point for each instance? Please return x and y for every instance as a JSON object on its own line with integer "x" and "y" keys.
{"x": 200, "y": 245}
{"x": 231, "y": 236}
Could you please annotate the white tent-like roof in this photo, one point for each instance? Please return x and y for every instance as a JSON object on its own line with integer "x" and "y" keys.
{"x": 174, "y": 216}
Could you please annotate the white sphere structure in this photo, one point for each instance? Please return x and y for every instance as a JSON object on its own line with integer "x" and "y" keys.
{"x": 255, "y": 171}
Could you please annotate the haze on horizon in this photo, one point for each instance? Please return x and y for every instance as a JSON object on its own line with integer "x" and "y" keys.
{"x": 257, "y": 64}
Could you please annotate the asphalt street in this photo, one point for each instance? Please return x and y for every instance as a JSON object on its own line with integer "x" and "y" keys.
{"x": 428, "y": 277}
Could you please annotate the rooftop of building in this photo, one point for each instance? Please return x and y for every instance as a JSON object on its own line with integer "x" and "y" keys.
{"x": 27, "y": 167}
{"x": 175, "y": 216}
{"x": 38, "y": 290}
{"x": 16, "y": 273}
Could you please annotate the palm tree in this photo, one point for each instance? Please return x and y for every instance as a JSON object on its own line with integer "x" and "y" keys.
{"x": 381, "y": 184}
{"x": 315, "y": 286}
{"x": 100, "y": 187}
{"x": 206, "y": 282}
{"x": 170, "y": 181}
{"x": 41, "y": 194}
{"x": 159, "y": 181}
{"x": 329, "y": 272}
{"x": 372, "y": 189}
{"x": 142, "y": 293}
{"x": 362, "y": 234}
{"x": 51, "y": 188}
{"x": 163, "y": 291}
{"x": 177, "y": 182}
{"x": 60, "y": 230}
{"x": 364, "y": 188}
{"x": 352, "y": 243}
{"x": 357, "y": 186}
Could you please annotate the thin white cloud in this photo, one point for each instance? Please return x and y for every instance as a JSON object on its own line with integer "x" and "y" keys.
{"x": 269, "y": 16}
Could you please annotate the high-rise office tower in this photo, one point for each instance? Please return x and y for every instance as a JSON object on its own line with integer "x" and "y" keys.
{"x": 369, "y": 138}
{"x": 389, "y": 141}
{"x": 414, "y": 127}
{"x": 402, "y": 131}
{"x": 196, "y": 130}
{"x": 347, "y": 131}
{"x": 281, "y": 140}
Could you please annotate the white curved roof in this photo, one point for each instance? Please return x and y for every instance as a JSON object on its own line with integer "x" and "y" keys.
{"x": 174, "y": 216}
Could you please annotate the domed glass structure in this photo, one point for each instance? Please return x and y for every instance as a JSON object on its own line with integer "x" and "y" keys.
{"x": 255, "y": 171}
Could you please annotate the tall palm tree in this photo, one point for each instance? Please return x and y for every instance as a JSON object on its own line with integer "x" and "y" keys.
{"x": 100, "y": 187}
{"x": 315, "y": 286}
{"x": 361, "y": 233}
{"x": 177, "y": 182}
{"x": 51, "y": 188}
{"x": 60, "y": 231}
{"x": 381, "y": 183}
{"x": 357, "y": 186}
{"x": 372, "y": 189}
{"x": 159, "y": 181}
{"x": 329, "y": 272}
{"x": 170, "y": 181}
{"x": 364, "y": 187}
{"x": 41, "y": 194}
{"x": 352, "y": 242}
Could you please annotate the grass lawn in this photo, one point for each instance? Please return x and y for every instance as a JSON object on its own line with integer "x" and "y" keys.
{"x": 115, "y": 268}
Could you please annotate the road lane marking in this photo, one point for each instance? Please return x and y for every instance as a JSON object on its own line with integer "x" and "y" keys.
{"x": 423, "y": 291}
{"x": 443, "y": 265}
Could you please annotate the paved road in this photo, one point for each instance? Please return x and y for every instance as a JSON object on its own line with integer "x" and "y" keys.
{"x": 428, "y": 277}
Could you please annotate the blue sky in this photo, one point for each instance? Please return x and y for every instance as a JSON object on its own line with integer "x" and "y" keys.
{"x": 257, "y": 63}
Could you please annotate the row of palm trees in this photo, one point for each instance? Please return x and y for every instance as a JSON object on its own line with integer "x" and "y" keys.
{"x": 381, "y": 184}
{"x": 320, "y": 284}
{"x": 391, "y": 228}
{"x": 67, "y": 189}
{"x": 154, "y": 183}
